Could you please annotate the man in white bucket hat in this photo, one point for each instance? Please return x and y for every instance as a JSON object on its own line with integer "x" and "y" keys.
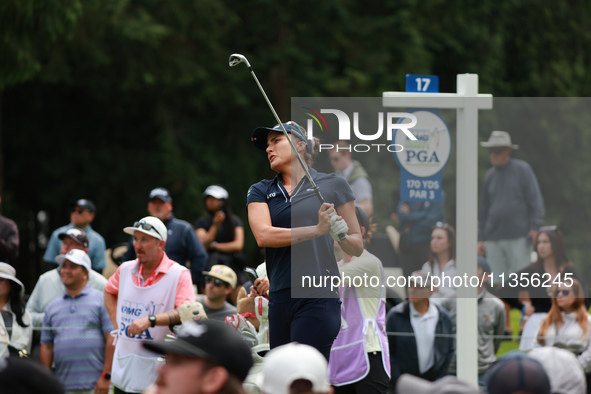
{"x": 511, "y": 208}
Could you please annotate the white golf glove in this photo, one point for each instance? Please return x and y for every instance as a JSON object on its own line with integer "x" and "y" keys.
{"x": 337, "y": 227}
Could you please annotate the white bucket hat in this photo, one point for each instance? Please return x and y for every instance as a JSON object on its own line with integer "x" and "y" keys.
{"x": 499, "y": 139}
{"x": 149, "y": 225}
{"x": 8, "y": 272}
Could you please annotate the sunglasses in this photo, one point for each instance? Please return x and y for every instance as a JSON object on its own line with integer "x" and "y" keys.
{"x": 497, "y": 151}
{"x": 441, "y": 225}
{"x": 548, "y": 228}
{"x": 564, "y": 293}
{"x": 146, "y": 226}
{"x": 216, "y": 282}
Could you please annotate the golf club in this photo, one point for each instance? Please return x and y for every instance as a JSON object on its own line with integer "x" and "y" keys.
{"x": 236, "y": 59}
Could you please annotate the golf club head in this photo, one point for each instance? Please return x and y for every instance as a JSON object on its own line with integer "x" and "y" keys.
{"x": 237, "y": 58}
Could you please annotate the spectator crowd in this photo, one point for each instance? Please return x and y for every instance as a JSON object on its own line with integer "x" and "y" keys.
{"x": 181, "y": 314}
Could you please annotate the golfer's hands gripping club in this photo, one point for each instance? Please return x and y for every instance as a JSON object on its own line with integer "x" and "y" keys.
{"x": 338, "y": 227}
{"x": 330, "y": 222}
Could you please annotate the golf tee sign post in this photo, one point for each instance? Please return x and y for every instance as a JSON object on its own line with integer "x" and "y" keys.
{"x": 467, "y": 102}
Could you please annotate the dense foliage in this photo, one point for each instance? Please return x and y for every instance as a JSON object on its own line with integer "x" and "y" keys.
{"x": 108, "y": 99}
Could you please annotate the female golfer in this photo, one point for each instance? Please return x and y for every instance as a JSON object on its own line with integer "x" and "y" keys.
{"x": 288, "y": 220}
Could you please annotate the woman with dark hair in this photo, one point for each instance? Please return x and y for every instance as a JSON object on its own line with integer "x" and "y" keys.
{"x": 552, "y": 261}
{"x": 16, "y": 331}
{"x": 568, "y": 324}
{"x": 221, "y": 233}
{"x": 442, "y": 258}
{"x": 288, "y": 220}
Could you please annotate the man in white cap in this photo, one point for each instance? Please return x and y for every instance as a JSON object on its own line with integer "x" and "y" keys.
{"x": 219, "y": 282}
{"x": 50, "y": 285}
{"x": 141, "y": 298}
{"x": 182, "y": 244}
{"x": 295, "y": 368}
{"x": 511, "y": 208}
{"x": 77, "y": 339}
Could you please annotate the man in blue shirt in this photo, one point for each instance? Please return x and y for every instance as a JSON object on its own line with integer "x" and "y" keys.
{"x": 83, "y": 213}
{"x": 182, "y": 244}
{"x": 78, "y": 339}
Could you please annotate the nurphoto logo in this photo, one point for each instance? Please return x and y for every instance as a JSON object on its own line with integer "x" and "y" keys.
{"x": 392, "y": 120}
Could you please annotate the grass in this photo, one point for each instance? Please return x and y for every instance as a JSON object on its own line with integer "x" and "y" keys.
{"x": 507, "y": 346}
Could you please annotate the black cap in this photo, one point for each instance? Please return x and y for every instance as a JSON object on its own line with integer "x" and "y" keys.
{"x": 259, "y": 135}
{"x": 517, "y": 372}
{"x": 362, "y": 217}
{"x": 212, "y": 341}
{"x": 26, "y": 376}
{"x": 78, "y": 235}
{"x": 85, "y": 204}
{"x": 161, "y": 194}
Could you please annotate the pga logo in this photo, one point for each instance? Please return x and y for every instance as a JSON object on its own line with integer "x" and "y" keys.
{"x": 392, "y": 120}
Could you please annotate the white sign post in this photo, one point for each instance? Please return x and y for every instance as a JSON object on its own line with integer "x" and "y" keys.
{"x": 467, "y": 102}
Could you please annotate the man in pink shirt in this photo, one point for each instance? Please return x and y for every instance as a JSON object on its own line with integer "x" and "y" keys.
{"x": 141, "y": 298}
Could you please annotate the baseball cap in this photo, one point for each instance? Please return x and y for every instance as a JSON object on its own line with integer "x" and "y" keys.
{"x": 259, "y": 135}
{"x": 223, "y": 272}
{"x": 212, "y": 341}
{"x": 564, "y": 370}
{"x": 285, "y": 364}
{"x": 149, "y": 225}
{"x": 517, "y": 372}
{"x": 26, "y": 376}
{"x": 79, "y": 236}
{"x": 85, "y": 204}
{"x": 410, "y": 384}
{"x": 499, "y": 139}
{"x": 76, "y": 256}
{"x": 362, "y": 217}
{"x": 7, "y": 271}
{"x": 161, "y": 194}
{"x": 216, "y": 192}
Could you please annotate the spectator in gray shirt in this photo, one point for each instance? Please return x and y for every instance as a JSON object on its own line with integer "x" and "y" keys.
{"x": 511, "y": 208}
{"x": 219, "y": 282}
{"x": 491, "y": 323}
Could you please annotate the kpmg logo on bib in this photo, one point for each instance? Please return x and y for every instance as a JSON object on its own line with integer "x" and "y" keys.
{"x": 130, "y": 311}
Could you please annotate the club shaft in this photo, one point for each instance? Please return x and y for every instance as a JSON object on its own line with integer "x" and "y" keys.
{"x": 304, "y": 167}
{"x": 307, "y": 173}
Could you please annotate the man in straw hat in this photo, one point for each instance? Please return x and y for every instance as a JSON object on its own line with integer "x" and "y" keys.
{"x": 511, "y": 208}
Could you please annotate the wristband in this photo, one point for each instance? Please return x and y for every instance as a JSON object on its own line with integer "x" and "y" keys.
{"x": 106, "y": 375}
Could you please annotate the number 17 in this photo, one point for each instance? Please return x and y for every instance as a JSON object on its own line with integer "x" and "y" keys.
{"x": 425, "y": 83}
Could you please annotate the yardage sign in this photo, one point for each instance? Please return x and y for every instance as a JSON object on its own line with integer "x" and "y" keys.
{"x": 422, "y": 161}
{"x": 422, "y": 83}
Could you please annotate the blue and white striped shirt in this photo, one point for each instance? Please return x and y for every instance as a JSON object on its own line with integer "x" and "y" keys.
{"x": 76, "y": 327}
